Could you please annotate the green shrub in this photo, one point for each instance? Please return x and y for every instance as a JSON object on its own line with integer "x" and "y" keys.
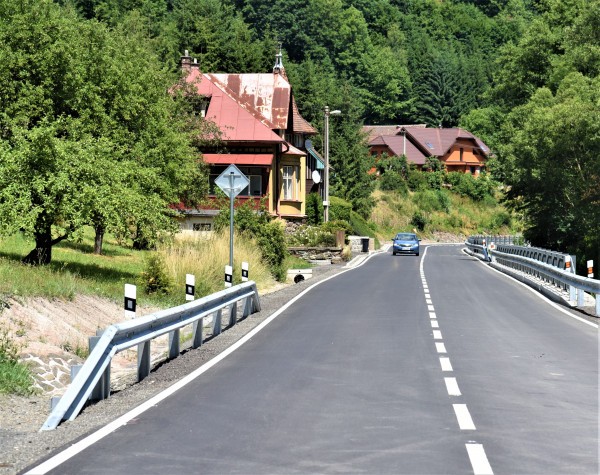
{"x": 155, "y": 278}
{"x": 271, "y": 240}
{"x": 435, "y": 179}
{"x": 360, "y": 227}
{"x": 337, "y": 225}
{"x": 314, "y": 208}
{"x": 417, "y": 180}
{"x": 339, "y": 209}
{"x": 393, "y": 181}
{"x": 419, "y": 220}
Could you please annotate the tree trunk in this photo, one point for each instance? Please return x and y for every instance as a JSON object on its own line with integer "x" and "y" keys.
{"x": 42, "y": 254}
{"x": 98, "y": 239}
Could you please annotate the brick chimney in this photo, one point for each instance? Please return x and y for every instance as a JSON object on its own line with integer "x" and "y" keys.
{"x": 186, "y": 62}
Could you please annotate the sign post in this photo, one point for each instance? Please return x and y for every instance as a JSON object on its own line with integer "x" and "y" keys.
{"x": 232, "y": 181}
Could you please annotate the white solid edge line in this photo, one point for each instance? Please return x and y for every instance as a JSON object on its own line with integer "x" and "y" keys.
{"x": 542, "y": 296}
{"x": 465, "y": 422}
{"x": 479, "y": 460}
{"x": 91, "y": 439}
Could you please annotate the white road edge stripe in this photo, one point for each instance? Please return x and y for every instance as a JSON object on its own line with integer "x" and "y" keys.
{"x": 478, "y": 459}
{"x": 91, "y": 439}
{"x": 463, "y": 416}
{"x": 535, "y": 292}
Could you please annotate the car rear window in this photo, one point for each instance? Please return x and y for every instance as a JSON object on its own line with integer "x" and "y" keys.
{"x": 406, "y": 237}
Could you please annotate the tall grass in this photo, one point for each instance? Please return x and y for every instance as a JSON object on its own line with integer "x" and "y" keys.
{"x": 15, "y": 377}
{"x": 206, "y": 257}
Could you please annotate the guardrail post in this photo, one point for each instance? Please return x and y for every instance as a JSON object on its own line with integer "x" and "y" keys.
{"x": 102, "y": 389}
{"x": 248, "y": 306}
{"x": 174, "y": 344}
{"x": 143, "y": 360}
{"x": 198, "y": 335}
{"x": 217, "y": 323}
{"x": 233, "y": 314}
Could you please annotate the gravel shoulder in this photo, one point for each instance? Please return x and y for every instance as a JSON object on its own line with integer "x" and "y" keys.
{"x": 21, "y": 445}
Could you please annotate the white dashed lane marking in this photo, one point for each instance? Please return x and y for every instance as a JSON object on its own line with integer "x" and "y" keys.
{"x": 463, "y": 416}
{"x": 476, "y": 453}
{"x": 478, "y": 459}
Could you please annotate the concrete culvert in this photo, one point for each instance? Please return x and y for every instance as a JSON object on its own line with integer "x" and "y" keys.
{"x": 298, "y": 278}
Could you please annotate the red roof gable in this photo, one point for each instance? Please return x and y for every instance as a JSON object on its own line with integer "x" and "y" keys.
{"x": 235, "y": 122}
{"x": 439, "y": 141}
{"x": 396, "y": 144}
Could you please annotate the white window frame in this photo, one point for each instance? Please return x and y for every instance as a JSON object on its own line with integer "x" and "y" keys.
{"x": 290, "y": 182}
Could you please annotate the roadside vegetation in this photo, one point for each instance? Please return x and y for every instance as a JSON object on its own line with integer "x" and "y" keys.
{"x": 15, "y": 377}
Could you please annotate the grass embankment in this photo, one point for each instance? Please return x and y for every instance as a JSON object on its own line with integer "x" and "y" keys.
{"x": 76, "y": 270}
{"x": 442, "y": 212}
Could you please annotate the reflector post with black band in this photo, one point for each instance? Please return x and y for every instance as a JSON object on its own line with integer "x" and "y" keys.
{"x": 244, "y": 272}
{"x": 228, "y": 276}
{"x": 190, "y": 286}
{"x": 130, "y": 302}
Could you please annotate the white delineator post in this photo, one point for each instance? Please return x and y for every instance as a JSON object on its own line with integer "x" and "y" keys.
{"x": 190, "y": 286}
{"x": 590, "y": 268}
{"x": 228, "y": 276}
{"x": 572, "y": 290}
{"x": 130, "y": 302}
{"x": 244, "y": 272}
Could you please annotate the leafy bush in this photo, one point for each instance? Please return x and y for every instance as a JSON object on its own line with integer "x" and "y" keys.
{"x": 271, "y": 240}
{"x": 417, "y": 180}
{"x": 155, "y": 277}
{"x": 435, "y": 179}
{"x": 466, "y": 185}
{"x": 337, "y": 225}
{"x": 419, "y": 220}
{"x": 393, "y": 181}
{"x": 314, "y": 208}
{"x": 339, "y": 209}
{"x": 312, "y": 236}
{"x": 432, "y": 200}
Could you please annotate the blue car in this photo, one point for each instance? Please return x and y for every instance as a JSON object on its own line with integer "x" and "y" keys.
{"x": 405, "y": 243}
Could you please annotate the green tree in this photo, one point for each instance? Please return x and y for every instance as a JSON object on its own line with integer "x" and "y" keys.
{"x": 87, "y": 135}
{"x": 552, "y": 164}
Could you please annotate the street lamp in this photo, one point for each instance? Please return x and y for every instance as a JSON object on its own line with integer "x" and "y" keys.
{"x": 326, "y": 147}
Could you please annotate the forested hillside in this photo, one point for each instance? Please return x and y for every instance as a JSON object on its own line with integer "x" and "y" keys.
{"x": 521, "y": 74}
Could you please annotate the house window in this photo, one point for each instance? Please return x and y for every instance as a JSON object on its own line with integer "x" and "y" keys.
{"x": 291, "y": 177}
{"x": 462, "y": 151}
{"x": 298, "y": 140}
{"x": 255, "y": 186}
{"x": 201, "y": 227}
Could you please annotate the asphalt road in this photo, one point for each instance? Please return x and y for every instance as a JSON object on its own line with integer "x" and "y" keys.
{"x": 365, "y": 375}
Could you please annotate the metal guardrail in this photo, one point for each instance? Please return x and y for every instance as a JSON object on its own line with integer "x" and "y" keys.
{"x": 549, "y": 266}
{"x": 93, "y": 379}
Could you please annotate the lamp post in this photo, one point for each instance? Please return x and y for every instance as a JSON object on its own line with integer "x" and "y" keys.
{"x": 326, "y": 147}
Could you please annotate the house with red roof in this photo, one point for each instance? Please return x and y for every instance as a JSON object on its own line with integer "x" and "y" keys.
{"x": 458, "y": 149}
{"x": 262, "y": 133}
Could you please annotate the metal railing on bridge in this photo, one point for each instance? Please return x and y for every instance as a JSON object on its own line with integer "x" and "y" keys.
{"x": 549, "y": 267}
